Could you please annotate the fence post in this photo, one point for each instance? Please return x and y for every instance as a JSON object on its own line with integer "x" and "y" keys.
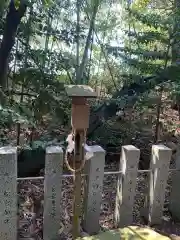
{"x": 8, "y": 193}
{"x": 52, "y": 192}
{"x": 126, "y": 186}
{"x": 174, "y": 203}
{"x": 93, "y": 191}
{"x": 160, "y": 160}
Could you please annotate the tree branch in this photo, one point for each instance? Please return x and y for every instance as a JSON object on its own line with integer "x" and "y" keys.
{"x": 19, "y": 93}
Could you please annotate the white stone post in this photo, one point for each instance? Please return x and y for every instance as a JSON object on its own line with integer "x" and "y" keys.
{"x": 126, "y": 185}
{"x": 174, "y": 204}
{"x": 52, "y": 192}
{"x": 93, "y": 191}
{"x": 160, "y": 160}
{"x": 8, "y": 193}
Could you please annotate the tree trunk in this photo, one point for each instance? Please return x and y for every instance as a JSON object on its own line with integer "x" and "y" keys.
{"x": 157, "y": 128}
{"x": 176, "y": 45}
{"x": 12, "y": 22}
{"x": 78, "y": 8}
{"x": 88, "y": 42}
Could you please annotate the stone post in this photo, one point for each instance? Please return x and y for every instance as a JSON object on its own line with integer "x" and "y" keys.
{"x": 160, "y": 160}
{"x": 52, "y": 192}
{"x": 93, "y": 191}
{"x": 8, "y": 193}
{"x": 174, "y": 204}
{"x": 126, "y": 185}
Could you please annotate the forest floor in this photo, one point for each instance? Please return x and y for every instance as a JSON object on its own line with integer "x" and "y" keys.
{"x": 31, "y": 209}
{"x": 30, "y": 195}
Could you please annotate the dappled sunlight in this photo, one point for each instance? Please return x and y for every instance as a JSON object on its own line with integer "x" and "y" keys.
{"x": 128, "y": 233}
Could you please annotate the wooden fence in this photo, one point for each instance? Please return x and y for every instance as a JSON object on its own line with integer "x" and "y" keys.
{"x": 161, "y": 156}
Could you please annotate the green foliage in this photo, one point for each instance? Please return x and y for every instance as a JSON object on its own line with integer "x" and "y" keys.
{"x": 152, "y": 20}
{"x": 47, "y": 2}
{"x": 175, "y": 93}
{"x": 44, "y": 59}
{"x": 147, "y": 49}
{"x": 17, "y": 3}
{"x": 10, "y": 115}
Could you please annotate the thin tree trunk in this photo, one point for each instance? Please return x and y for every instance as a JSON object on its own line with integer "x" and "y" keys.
{"x": 46, "y": 46}
{"x": 12, "y": 22}
{"x": 25, "y": 67}
{"x": 14, "y": 70}
{"x": 88, "y": 42}
{"x": 78, "y": 6}
{"x": 178, "y": 106}
{"x": 176, "y": 45}
{"x": 157, "y": 128}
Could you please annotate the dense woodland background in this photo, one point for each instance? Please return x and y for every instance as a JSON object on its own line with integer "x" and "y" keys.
{"x": 128, "y": 51}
